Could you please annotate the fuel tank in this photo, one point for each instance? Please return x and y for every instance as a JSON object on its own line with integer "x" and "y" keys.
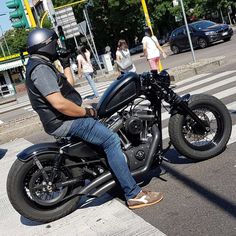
{"x": 121, "y": 92}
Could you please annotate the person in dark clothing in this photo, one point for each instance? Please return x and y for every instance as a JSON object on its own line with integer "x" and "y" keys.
{"x": 58, "y": 105}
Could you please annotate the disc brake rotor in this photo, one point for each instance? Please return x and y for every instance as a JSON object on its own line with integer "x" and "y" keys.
{"x": 193, "y": 134}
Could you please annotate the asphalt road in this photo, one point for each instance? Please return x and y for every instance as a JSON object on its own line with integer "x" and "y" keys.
{"x": 227, "y": 49}
{"x": 199, "y": 196}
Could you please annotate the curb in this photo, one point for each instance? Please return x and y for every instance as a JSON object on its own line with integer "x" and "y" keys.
{"x": 192, "y": 69}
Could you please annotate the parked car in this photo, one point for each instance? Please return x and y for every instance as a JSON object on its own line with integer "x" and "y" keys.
{"x": 136, "y": 49}
{"x": 203, "y": 33}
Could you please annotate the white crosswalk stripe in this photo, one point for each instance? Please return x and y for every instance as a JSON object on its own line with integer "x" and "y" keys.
{"x": 206, "y": 80}
{"x": 215, "y": 85}
{"x": 76, "y": 222}
{"x": 193, "y": 78}
{"x": 1, "y": 122}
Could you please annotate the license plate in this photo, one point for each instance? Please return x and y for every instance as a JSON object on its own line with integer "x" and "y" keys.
{"x": 225, "y": 33}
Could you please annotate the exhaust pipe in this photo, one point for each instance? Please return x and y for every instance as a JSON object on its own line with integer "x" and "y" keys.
{"x": 107, "y": 176}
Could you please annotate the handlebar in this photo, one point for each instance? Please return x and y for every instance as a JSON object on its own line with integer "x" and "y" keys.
{"x": 153, "y": 77}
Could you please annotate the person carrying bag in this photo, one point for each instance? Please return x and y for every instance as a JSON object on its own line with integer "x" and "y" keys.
{"x": 123, "y": 58}
{"x": 152, "y": 49}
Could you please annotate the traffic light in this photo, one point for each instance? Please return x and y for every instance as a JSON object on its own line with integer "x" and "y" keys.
{"x": 17, "y": 16}
{"x": 61, "y": 33}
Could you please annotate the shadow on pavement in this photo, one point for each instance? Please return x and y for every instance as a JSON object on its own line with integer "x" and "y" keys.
{"x": 2, "y": 153}
{"x": 175, "y": 158}
{"x": 28, "y": 222}
{"x": 219, "y": 201}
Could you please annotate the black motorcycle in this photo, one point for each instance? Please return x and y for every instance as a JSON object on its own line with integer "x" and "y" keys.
{"x": 47, "y": 180}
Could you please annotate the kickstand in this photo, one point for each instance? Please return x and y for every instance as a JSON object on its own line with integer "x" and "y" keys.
{"x": 163, "y": 172}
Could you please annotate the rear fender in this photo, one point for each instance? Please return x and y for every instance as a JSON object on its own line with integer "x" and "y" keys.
{"x": 36, "y": 149}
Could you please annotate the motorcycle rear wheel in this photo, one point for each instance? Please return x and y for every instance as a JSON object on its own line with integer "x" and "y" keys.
{"x": 193, "y": 144}
{"x": 22, "y": 179}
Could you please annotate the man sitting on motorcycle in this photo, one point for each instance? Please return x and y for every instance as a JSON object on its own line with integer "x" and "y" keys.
{"x": 58, "y": 105}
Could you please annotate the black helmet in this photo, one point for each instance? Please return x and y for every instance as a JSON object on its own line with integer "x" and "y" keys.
{"x": 44, "y": 42}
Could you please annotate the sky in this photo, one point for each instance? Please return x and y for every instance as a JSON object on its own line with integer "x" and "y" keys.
{"x": 5, "y": 23}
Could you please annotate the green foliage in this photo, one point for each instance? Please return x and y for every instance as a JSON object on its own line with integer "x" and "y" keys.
{"x": 47, "y": 23}
{"x": 115, "y": 19}
{"x": 16, "y": 40}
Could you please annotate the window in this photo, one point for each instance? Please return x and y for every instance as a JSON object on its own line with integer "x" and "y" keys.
{"x": 202, "y": 25}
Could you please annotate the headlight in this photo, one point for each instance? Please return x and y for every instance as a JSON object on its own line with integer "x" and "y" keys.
{"x": 210, "y": 33}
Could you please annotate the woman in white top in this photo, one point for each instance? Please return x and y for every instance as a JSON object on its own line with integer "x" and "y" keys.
{"x": 121, "y": 53}
{"x": 85, "y": 67}
{"x": 151, "y": 49}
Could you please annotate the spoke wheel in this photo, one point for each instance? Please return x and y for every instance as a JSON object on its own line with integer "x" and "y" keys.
{"x": 190, "y": 140}
{"x": 37, "y": 199}
{"x": 203, "y": 140}
{"x": 45, "y": 193}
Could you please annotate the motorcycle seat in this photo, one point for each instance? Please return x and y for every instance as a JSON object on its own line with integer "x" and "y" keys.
{"x": 66, "y": 140}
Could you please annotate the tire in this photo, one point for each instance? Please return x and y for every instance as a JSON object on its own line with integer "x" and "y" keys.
{"x": 227, "y": 39}
{"x": 181, "y": 130}
{"x": 19, "y": 178}
{"x": 175, "y": 49}
{"x": 202, "y": 43}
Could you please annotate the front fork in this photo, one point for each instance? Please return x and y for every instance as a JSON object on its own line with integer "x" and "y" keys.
{"x": 181, "y": 103}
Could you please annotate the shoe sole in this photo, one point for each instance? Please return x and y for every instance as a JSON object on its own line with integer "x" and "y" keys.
{"x": 145, "y": 204}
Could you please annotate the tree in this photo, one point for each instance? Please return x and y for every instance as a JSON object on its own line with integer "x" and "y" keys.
{"x": 16, "y": 40}
{"x": 115, "y": 19}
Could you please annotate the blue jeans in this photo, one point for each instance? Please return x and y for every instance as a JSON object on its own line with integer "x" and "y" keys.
{"x": 88, "y": 77}
{"x": 92, "y": 131}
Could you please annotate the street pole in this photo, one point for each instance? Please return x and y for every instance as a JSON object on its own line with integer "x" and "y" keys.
{"x": 30, "y": 14}
{"x": 2, "y": 49}
{"x": 149, "y": 24}
{"x": 5, "y": 41}
{"x": 145, "y": 10}
{"x": 91, "y": 36}
{"x": 187, "y": 28}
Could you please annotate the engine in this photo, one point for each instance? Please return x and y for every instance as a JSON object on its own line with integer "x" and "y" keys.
{"x": 135, "y": 135}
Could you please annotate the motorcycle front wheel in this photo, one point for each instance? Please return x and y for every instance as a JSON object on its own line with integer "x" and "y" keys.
{"x": 32, "y": 197}
{"x": 192, "y": 143}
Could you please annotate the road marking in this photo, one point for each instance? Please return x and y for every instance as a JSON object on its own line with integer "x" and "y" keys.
{"x": 204, "y": 81}
{"x": 233, "y": 135}
{"x": 231, "y": 106}
{"x": 1, "y": 122}
{"x": 229, "y": 92}
{"x": 192, "y": 79}
{"x": 214, "y": 85}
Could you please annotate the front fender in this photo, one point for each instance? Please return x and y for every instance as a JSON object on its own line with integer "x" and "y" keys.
{"x": 28, "y": 153}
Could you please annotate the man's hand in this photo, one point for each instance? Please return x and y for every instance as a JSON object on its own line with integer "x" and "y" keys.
{"x": 64, "y": 57}
{"x": 91, "y": 112}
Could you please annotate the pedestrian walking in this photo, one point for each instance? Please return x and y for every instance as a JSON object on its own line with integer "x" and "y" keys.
{"x": 123, "y": 58}
{"x": 85, "y": 68}
{"x": 152, "y": 49}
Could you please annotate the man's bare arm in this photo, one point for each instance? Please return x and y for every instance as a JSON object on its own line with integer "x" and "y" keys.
{"x": 65, "y": 106}
{"x": 69, "y": 76}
